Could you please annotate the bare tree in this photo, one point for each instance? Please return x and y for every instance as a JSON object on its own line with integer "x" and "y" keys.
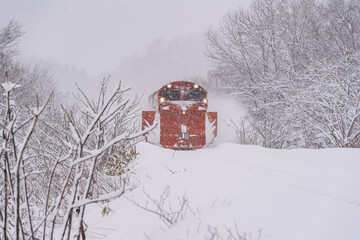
{"x": 333, "y": 102}
{"x": 8, "y": 42}
{"x": 231, "y": 234}
{"x": 72, "y": 148}
{"x": 17, "y": 131}
{"x": 99, "y": 129}
{"x": 164, "y": 208}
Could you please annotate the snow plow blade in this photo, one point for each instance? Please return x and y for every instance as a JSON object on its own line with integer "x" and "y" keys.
{"x": 212, "y": 127}
{"x": 148, "y": 118}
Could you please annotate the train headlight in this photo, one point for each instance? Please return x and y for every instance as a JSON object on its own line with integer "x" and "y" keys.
{"x": 205, "y": 100}
{"x": 169, "y": 85}
{"x": 162, "y": 99}
{"x": 196, "y": 86}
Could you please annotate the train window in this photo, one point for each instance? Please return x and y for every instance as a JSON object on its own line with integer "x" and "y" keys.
{"x": 195, "y": 95}
{"x": 170, "y": 94}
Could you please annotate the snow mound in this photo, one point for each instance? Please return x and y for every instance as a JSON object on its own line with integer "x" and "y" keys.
{"x": 286, "y": 194}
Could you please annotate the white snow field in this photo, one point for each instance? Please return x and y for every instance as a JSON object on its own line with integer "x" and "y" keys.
{"x": 266, "y": 194}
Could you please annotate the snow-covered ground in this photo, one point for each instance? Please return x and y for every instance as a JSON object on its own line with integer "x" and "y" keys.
{"x": 285, "y": 194}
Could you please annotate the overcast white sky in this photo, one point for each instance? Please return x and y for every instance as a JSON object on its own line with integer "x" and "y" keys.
{"x": 96, "y": 34}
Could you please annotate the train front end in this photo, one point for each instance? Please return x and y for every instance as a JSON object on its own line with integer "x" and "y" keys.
{"x": 185, "y": 123}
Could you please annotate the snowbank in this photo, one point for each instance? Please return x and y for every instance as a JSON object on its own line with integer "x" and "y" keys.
{"x": 287, "y": 194}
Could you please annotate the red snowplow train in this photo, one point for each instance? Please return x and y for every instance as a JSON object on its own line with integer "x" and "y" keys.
{"x": 181, "y": 111}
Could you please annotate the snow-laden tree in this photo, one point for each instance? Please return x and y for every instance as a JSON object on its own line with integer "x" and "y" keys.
{"x": 17, "y": 128}
{"x": 267, "y": 55}
{"x": 8, "y": 41}
{"x": 51, "y": 167}
{"x": 253, "y": 60}
{"x": 332, "y": 101}
{"x": 36, "y": 78}
{"x": 56, "y": 159}
{"x": 53, "y": 158}
{"x": 98, "y": 130}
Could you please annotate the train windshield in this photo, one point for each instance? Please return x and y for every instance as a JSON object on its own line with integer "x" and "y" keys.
{"x": 170, "y": 94}
{"x": 195, "y": 95}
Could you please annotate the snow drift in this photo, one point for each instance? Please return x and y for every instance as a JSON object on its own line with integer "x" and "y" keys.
{"x": 266, "y": 193}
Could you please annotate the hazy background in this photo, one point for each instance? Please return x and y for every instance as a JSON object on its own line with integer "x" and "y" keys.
{"x": 94, "y": 36}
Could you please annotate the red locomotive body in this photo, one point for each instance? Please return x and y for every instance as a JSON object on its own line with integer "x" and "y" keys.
{"x": 181, "y": 108}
